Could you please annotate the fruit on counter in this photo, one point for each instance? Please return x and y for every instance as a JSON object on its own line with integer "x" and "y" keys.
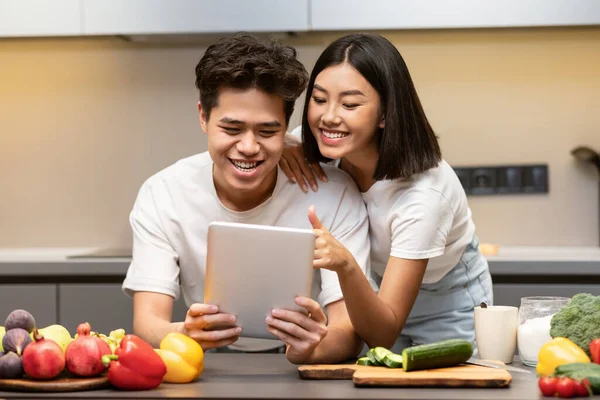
{"x": 183, "y": 357}
{"x": 58, "y": 333}
{"x": 556, "y": 352}
{"x": 20, "y": 319}
{"x": 578, "y": 321}
{"x": 135, "y": 365}
{"x": 113, "y": 339}
{"x": 43, "y": 358}
{"x": 11, "y": 366}
{"x": 564, "y": 387}
{"x": 84, "y": 354}
{"x": 571, "y": 379}
{"x": 16, "y": 340}
{"x": 117, "y": 334}
{"x": 2, "y": 332}
{"x": 588, "y": 372}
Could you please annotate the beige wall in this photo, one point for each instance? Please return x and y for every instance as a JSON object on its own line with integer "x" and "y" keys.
{"x": 84, "y": 122}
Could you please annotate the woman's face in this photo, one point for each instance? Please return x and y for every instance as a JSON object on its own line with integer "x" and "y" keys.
{"x": 344, "y": 111}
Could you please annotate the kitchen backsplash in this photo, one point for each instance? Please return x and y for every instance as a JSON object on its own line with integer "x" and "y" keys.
{"x": 83, "y": 122}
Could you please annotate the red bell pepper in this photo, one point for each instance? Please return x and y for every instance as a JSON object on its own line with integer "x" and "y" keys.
{"x": 595, "y": 350}
{"x": 135, "y": 365}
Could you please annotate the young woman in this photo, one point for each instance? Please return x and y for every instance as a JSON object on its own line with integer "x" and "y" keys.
{"x": 363, "y": 113}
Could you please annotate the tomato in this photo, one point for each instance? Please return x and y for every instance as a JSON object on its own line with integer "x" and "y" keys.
{"x": 547, "y": 385}
{"x": 565, "y": 387}
{"x": 581, "y": 387}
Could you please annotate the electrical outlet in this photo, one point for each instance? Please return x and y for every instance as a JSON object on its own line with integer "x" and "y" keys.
{"x": 535, "y": 179}
{"x": 511, "y": 179}
{"x": 464, "y": 176}
{"x": 483, "y": 181}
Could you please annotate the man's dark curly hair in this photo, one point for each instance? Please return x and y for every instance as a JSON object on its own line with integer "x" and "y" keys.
{"x": 244, "y": 62}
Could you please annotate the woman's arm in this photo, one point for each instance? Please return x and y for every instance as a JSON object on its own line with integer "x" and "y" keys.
{"x": 379, "y": 318}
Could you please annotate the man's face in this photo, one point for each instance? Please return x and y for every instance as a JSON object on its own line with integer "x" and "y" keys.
{"x": 245, "y": 140}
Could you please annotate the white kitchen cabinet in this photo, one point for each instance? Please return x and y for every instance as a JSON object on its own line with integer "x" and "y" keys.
{"x": 130, "y": 17}
{"x": 439, "y": 14}
{"x": 28, "y": 18}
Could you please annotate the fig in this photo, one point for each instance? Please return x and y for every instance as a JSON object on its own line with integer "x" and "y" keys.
{"x": 11, "y": 366}
{"x": 84, "y": 354}
{"x": 43, "y": 358}
{"x": 16, "y": 340}
{"x": 20, "y": 319}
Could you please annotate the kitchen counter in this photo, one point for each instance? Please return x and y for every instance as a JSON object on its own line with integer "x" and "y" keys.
{"x": 271, "y": 376}
{"x": 510, "y": 260}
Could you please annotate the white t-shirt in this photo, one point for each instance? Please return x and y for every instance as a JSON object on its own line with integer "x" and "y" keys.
{"x": 426, "y": 216}
{"x": 174, "y": 207}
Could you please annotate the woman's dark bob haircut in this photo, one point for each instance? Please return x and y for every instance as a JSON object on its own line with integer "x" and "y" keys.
{"x": 407, "y": 144}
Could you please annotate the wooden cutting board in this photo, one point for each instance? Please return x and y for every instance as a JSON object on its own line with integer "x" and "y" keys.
{"x": 459, "y": 376}
{"x": 63, "y": 383}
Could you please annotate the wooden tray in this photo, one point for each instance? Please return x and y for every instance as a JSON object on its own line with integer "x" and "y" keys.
{"x": 63, "y": 383}
{"x": 459, "y": 376}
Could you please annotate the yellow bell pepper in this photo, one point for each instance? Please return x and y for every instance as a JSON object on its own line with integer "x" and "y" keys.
{"x": 183, "y": 357}
{"x": 557, "y": 352}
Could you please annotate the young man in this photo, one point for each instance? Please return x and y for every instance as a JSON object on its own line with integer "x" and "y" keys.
{"x": 247, "y": 93}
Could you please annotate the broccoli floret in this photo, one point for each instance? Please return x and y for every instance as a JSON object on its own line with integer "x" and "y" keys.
{"x": 578, "y": 321}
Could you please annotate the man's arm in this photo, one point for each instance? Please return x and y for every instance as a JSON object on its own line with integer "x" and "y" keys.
{"x": 342, "y": 342}
{"x": 152, "y": 314}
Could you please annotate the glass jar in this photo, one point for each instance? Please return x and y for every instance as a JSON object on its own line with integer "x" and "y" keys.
{"x": 533, "y": 332}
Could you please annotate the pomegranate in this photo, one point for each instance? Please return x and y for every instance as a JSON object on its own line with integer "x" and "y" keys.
{"x": 84, "y": 354}
{"x": 43, "y": 358}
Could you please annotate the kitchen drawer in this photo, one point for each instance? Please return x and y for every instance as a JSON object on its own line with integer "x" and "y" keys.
{"x": 103, "y": 305}
{"x": 508, "y": 294}
{"x": 38, "y": 299}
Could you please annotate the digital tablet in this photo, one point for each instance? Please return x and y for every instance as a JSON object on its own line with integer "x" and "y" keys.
{"x": 252, "y": 269}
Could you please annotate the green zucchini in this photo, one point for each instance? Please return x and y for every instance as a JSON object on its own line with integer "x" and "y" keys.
{"x": 364, "y": 361}
{"x": 445, "y": 353}
{"x": 393, "y": 360}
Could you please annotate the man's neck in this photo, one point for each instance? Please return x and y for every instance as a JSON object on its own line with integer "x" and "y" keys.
{"x": 241, "y": 201}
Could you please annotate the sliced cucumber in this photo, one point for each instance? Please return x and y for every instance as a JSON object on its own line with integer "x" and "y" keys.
{"x": 445, "y": 353}
{"x": 364, "y": 361}
{"x": 393, "y": 360}
{"x": 380, "y": 353}
{"x": 371, "y": 355}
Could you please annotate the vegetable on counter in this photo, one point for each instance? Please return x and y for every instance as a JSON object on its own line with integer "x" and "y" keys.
{"x": 183, "y": 357}
{"x": 578, "y": 321}
{"x": 135, "y": 365}
{"x": 557, "y": 352}
{"x": 444, "y": 353}
{"x": 572, "y": 379}
{"x": 595, "y": 350}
